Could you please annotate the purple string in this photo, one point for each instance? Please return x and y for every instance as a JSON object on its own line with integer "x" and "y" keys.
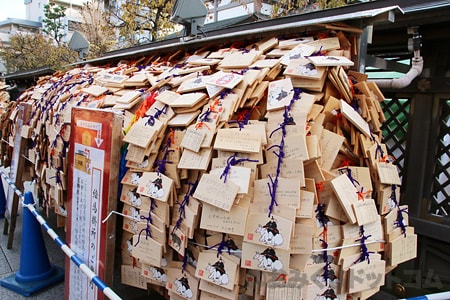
{"x": 318, "y": 52}
{"x": 148, "y": 232}
{"x": 243, "y": 71}
{"x": 57, "y": 176}
{"x": 168, "y": 76}
{"x": 400, "y": 222}
{"x": 177, "y": 66}
{"x": 204, "y": 117}
{"x": 394, "y": 195}
{"x": 365, "y": 253}
{"x": 225, "y": 93}
{"x": 273, "y": 184}
{"x": 325, "y": 259}
{"x": 181, "y": 209}
{"x": 244, "y": 121}
{"x": 82, "y": 99}
{"x": 158, "y": 113}
{"x": 352, "y": 179}
{"x": 379, "y": 150}
{"x": 185, "y": 261}
{"x": 162, "y": 163}
{"x": 221, "y": 246}
{"x": 321, "y": 216}
{"x": 355, "y": 104}
{"x": 232, "y": 161}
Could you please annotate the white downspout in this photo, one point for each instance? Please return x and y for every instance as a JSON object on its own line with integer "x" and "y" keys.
{"x": 414, "y": 71}
{"x": 404, "y": 81}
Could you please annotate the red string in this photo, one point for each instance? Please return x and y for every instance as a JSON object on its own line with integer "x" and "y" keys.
{"x": 345, "y": 163}
{"x": 171, "y": 136}
{"x": 362, "y": 195}
{"x": 282, "y": 276}
{"x": 200, "y": 125}
{"x": 319, "y": 188}
{"x": 149, "y": 101}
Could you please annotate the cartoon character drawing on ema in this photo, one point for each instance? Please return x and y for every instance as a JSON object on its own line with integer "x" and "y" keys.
{"x": 183, "y": 287}
{"x": 155, "y": 188}
{"x": 134, "y": 212}
{"x": 270, "y": 235}
{"x": 135, "y": 198}
{"x": 135, "y": 178}
{"x": 308, "y": 69}
{"x": 130, "y": 245}
{"x": 158, "y": 274}
{"x": 268, "y": 260}
{"x": 276, "y": 95}
{"x": 176, "y": 241}
{"x": 329, "y": 294}
{"x": 217, "y": 272}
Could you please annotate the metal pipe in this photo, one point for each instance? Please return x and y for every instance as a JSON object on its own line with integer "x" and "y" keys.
{"x": 404, "y": 81}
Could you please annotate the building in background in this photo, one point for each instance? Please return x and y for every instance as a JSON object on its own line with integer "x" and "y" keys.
{"x": 13, "y": 26}
{"x": 35, "y": 12}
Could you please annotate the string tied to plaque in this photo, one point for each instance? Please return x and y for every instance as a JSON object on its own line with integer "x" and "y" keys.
{"x": 243, "y": 117}
{"x": 225, "y": 243}
{"x": 83, "y": 98}
{"x": 282, "y": 276}
{"x": 320, "y": 187}
{"x": 148, "y": 218}
{"x": 147, "y": 229}
{"x": 156, "y": 115}
{"x": 287, "y": 120}
{"x": 185, "y": 261}
{"x": 182, "y": 208}
{"x": 177, "y": 66}
{"x": 359, "y": 188}
{"x": 365, "y": 253}
{"x": 232, "y": 161}
{"x": 319, "y": 52}
{"x": 379, "y": 152}
{"x": 326, "y": 271}
{"x": 348, "y": 172}
{"x": 203, "y": 119}
{"x": 223, "y": 94}
{"x": 58, "y": 114}
{"x": 145, "y": 106}
{"x": 321, "y": 217}
{"x": 400, "y": 221}
{"x": 161, "y": 164}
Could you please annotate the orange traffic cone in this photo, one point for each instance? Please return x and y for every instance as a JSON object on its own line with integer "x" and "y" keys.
{"x": 35, "y": 271}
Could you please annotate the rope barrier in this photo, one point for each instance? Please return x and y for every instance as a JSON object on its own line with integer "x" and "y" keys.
{"x": 63, "y": 246}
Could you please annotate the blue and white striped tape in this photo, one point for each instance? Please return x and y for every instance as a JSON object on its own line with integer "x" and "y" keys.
{"x": 436, "y": 296}
{"x": 64, "y": 247}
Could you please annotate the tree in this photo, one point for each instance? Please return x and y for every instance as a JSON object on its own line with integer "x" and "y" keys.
{"x": 139, "y": 20}
{"x": 32, "y": 51}
{"x": 96, "y": 29}
{"x": 53, "y": 21}
{"x": 289, "y": 7}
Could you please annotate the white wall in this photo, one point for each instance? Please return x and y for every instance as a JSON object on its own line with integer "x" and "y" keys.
{"x": 35, "y": 10}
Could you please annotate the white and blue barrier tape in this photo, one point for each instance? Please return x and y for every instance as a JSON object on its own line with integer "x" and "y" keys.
{"x": 64, "y": 247}
{"x": 436, "y": 296}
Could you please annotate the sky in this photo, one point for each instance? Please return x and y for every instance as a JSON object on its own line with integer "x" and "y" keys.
{"x": 12, "y": 9}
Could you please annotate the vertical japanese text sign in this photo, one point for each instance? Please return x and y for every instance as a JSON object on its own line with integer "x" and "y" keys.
{"x": 94, "y": 156}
